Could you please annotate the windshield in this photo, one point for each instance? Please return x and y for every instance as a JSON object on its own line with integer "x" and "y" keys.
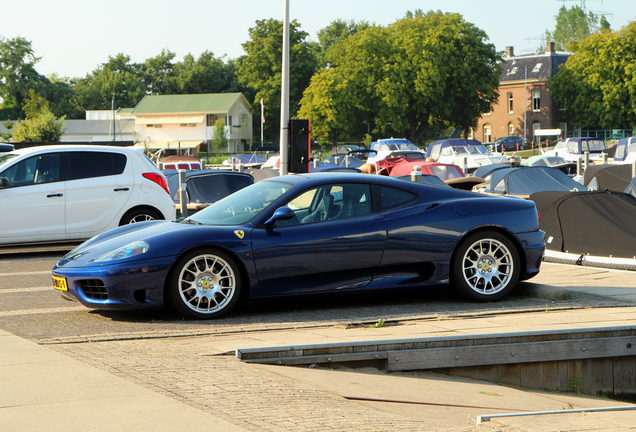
{"x": 592, "y": 145}
{"x": 471, "y": 150}
{"x": 6, "y": 158}
{"x": 243, "y": 205}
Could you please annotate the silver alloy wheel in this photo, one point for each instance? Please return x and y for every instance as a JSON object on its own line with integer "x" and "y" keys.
{"x": 142, "y": 218}
{"x": 487, "y": 266}
{"x": 207, "y": 284}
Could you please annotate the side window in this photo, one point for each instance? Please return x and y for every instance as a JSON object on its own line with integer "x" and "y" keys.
{"x": 331, "y": 202}
{"x": 84, "y": 165}
{"x": 390, "y": 198}
{"x": 34, "y": 170}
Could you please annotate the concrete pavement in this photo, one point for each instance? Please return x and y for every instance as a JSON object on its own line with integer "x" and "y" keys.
{"x": 192, "y": 384}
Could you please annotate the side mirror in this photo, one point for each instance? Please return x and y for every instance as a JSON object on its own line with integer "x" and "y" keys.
{"x": 283, "y": 213}
{"x": 3, "y": 182}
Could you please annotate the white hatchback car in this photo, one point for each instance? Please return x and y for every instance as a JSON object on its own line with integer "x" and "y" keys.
{"x": 74, "y": 192}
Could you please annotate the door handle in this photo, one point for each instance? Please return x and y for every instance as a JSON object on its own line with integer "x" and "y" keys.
{"x": 124, "y": 189}
{"x": 54, "y": 195}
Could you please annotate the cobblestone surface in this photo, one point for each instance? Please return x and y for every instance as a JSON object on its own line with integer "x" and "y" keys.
{"x": 239, "y": 393}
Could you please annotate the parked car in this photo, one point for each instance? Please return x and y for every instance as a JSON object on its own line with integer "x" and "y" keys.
{"x": 507, "y": 144}
{"x": 310, "y": 233}
{"x": 4, "y": 147}
{"x": 73, "y": 192}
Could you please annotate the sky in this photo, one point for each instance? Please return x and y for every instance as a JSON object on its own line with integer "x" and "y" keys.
{"x": 74, "y": 37}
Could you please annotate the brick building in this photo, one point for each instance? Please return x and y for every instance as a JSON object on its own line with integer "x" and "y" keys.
{"x": 525, "y": 104}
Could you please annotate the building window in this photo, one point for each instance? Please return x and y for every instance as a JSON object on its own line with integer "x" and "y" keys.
{"x": 536, "y": 100}
{"x": 188, "y": 125}
{"x": 487, "y": 133}
{"x": 210, "y": 119}
{"x": 228, "y": 120}
{"x": 510, "y": 109}
{"x": 156, "y": 125}
{"x": 537, "y": 67}
{"x": 244, "y": 120}
{"x": 564, "y": 129}
{"x": 511, "y": 129}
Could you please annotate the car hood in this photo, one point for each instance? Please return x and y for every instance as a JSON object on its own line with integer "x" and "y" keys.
{"x": 163, "y": 239}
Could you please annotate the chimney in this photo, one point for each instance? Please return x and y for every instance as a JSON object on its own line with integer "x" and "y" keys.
{"x": 510, "y": 51}
{"x": 549, "y": 47}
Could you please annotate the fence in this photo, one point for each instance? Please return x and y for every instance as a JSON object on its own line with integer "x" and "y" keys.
{"x": 607, "y": 134}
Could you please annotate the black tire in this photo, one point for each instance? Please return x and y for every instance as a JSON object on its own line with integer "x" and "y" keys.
{"x": 139, "y": 215}
{"x": 204, "y": 284}
{"x": 485, "y": 267}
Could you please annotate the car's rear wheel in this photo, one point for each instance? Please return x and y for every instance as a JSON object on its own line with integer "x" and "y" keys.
{"x": 486, "y": 267}
{"x": 139, "y": 215}
{"x": 204, "y": 285}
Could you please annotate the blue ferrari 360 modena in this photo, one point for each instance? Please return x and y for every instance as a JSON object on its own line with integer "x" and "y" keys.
{"x": 310, "y": 233}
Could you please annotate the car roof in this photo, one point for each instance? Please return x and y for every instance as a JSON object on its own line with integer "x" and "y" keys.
{"x": 68, "y": 147}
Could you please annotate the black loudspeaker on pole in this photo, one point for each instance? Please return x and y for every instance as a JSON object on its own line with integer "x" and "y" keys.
{"x": 299, "y": 146}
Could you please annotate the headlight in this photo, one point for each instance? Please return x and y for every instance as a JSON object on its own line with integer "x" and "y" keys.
{"x": 131, "y": 249}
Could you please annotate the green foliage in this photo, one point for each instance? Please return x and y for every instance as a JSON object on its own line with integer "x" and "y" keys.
{"x": 40, "y": 125}
{"x": 336, "y": 31}
{"x": 261, "y": 68}
{"x": 420, "y": 74}
{"x": 573, "y": 25}
{"x": 219, "y": 136}
{"x": 17, "y": 72}
{"x": 9, "y": 126}
{"x": 597, "y": 86}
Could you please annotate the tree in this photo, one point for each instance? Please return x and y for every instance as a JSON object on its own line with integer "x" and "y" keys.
{"x": 573, "y": 25}
{"x": 40, "y": 124}
{"x": 261, "y": 68}
{"x": 207, "y": 74}
{"x": 336, "y": 31}
{"x": 597, "y": 86}
{"x": 420, "y": 74}
{"x": 158, "y": 73}
{"x": 219, "y": 136}
{"x": 17, "y": 72}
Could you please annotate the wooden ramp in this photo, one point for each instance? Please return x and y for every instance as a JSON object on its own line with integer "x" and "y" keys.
{"x": 589, "y": 360}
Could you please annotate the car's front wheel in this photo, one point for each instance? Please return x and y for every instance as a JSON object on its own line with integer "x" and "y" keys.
{"x": 486, "y": 267}
{"x": 204, "y": 285}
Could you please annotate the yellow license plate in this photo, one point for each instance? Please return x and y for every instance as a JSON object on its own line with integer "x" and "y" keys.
{"x": 59, "y": 283}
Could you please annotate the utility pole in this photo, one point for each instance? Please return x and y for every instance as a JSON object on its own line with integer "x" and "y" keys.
{"x": 284, "y": 96}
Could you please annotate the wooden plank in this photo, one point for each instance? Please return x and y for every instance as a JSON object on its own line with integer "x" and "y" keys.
{"x": 579, "y": 376}
{"x": 601, "y": 376}
{"x": 531, "y": 375}
{"x": 625, "y": 376}
{"x": 509, "y": 374}
{"x": 327, "y": 358}
{"x": 551, "y": 375}
{"x": 510, "y": 353}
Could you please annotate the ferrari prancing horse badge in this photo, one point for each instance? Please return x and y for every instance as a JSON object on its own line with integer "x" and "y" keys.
{"x": 239, "y": 233}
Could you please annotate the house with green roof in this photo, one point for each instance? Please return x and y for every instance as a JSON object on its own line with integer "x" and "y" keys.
{"x": 187, "y": 121}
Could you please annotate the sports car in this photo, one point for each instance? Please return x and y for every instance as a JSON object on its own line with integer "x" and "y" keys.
{"x": 306, "y": 234}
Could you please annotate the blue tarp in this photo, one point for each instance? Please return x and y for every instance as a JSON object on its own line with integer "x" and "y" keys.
{"x": 246, "y": 159}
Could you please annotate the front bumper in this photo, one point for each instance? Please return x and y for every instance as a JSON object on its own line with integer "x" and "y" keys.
{"x": 127, "y": 285}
